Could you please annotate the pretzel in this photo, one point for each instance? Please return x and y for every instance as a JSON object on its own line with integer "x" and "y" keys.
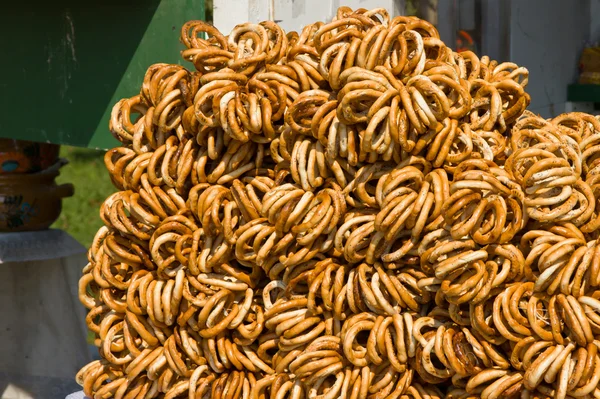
{"x": 232, "y": 165}
{"x": 530, "y": 129}
{"x": 541, "y": 316}
{"x": 350, "y": 211}
{"x": 408, "y": 200}
{"x": 392, "y": 340}
{"x": 480, "y": 203}
{"x": 542, "y": 174}
{"x": 577, "y": 125}
{"x": 553, "y": 363}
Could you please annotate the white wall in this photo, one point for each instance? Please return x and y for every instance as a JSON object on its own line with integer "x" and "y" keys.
{"x": 547, "y": 37}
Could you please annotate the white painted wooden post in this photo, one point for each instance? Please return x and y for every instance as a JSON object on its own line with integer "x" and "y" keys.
{"x": 290, "y": 14}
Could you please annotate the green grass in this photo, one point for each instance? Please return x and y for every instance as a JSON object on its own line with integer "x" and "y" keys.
{"x": 80, "y": 215}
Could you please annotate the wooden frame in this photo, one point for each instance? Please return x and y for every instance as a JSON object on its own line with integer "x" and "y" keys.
{"x": 66, "y": 62}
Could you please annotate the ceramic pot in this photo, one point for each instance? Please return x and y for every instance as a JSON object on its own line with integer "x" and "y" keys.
{"x": 31, "y": 202}
{"x": 18, "y": 156}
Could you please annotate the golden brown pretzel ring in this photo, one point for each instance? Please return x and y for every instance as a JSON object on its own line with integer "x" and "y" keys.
{"x": 480, "y": 203}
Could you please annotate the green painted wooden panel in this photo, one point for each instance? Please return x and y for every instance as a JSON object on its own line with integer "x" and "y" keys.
{"x": 64, "y": 63}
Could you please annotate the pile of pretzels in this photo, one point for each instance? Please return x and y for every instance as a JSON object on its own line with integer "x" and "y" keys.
{"x": 353, "y": 211}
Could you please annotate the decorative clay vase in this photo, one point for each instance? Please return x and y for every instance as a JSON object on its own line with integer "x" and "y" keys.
{"x": 18, "y": 156}
{"x": 31, "y": 201}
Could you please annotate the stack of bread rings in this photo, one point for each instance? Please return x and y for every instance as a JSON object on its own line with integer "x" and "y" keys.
{"x": 352, "y": 211}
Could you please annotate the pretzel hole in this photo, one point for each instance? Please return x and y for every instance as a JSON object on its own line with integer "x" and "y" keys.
{"x": 436, "y": 361}
{"x": 362, "y": 338}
